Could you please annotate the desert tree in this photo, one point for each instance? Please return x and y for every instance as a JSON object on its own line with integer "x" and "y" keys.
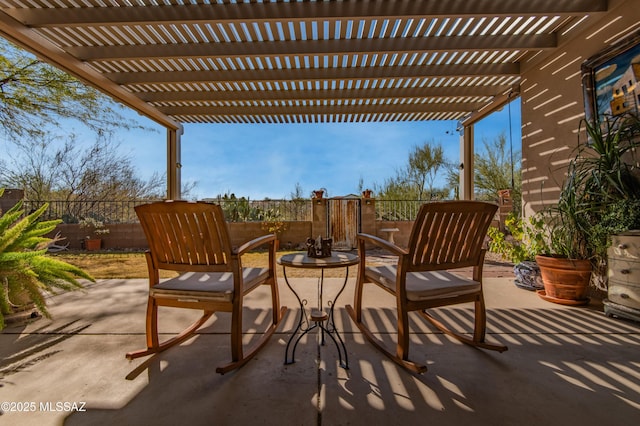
{"x": 36, "y": 96}
{"x": 416, "y": 180}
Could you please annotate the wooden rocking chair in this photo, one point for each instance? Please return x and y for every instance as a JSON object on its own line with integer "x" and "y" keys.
{"x": 445, "y": 236}
{"x": 193, "y": 239}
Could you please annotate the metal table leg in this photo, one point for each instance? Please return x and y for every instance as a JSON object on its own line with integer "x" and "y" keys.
{"x": 320, "y": 320}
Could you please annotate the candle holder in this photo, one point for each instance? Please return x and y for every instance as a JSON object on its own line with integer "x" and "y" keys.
{"x": 319, "y": 248}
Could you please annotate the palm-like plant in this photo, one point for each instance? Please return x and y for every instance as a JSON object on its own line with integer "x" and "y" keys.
{"x": 24, "y": 266}
{"x": 601, "y": 195}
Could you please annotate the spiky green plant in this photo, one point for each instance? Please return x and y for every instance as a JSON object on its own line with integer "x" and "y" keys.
{"x": 603, "y": 181}
{"x": 24, "y": 264}
{"x": 601, "y": 194}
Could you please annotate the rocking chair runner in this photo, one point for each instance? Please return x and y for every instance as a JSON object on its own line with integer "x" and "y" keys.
{"x": 192, "y": 238}
{"x": 445, "y": 236}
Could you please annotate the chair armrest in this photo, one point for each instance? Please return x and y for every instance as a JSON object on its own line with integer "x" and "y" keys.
{"x": 256, "y": 242}
{"x": 377, "y": 241}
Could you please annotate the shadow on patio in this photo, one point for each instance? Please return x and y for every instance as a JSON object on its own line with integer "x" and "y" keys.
{"x": 564, "y": 365}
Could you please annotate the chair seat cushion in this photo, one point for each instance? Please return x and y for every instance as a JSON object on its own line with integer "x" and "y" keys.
{"x": 424, "y": 285}
{"x": 203, "y": 286}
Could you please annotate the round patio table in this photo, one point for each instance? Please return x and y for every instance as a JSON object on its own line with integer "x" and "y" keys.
{"x": 317, "y": 318}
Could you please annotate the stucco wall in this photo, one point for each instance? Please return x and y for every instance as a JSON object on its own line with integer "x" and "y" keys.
{"x": 129, "y": 236}
{"x": 553, "y": 103}
{"x": 10, "y": 198}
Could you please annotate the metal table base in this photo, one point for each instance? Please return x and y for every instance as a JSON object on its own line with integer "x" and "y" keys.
{"x": 317, "y": 318}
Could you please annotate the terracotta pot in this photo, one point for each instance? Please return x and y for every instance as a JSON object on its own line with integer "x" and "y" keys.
{"x": 564, "y": 279}
{"x": 93, "y": 244}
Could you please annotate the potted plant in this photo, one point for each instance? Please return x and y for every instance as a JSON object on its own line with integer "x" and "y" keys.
{"x": 521, "y": 243}
{"x": 27, "y": 273}
{"x": 599, "y": 197}
{"x": 318, "y": 193}
{"x": 97, "y": 228}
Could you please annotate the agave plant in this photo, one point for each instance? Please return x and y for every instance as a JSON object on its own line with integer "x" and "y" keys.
{"x": 25, "y": 267}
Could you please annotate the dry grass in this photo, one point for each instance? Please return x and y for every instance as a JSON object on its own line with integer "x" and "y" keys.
{"x": 109, "y": 265}
{"x": 106, "y": 265}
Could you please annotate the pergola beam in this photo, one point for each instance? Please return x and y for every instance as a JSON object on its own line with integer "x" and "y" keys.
{"x": 320, "y": 109}
{"x": 317, "y": 47}
{"x": 318, "y": 74}
{"x": 496, "y": 104}
{"x": 321, "y": 94}
{"x": 347, "y": 9}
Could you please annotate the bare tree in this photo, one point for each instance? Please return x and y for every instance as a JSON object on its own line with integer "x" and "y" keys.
{"x": 49, "y": 170}
{"x": 35, "y": 98}
{"x": 495, "y": 169}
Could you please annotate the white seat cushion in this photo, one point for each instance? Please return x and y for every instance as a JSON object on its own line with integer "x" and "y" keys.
{"x": 424, "y": 285}
{"x": 206, "y": 285}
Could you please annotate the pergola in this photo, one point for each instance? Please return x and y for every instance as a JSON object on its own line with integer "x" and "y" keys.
{"x": 279, "y": 61}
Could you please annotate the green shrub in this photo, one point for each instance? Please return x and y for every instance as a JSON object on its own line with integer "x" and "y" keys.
{"x": 25, "y": 267}
{"x": 524, "y": 241}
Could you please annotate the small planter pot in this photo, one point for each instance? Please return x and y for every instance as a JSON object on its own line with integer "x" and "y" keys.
{"x": 528, "y": 276}
{"x": 566, "y": 281}
{"x": 93, "y": 244}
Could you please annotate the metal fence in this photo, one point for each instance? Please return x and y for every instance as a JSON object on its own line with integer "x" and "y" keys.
{"x": 235, "y": 210}
{"x": 395, "y": 210}
{"x": 74, "y": 211}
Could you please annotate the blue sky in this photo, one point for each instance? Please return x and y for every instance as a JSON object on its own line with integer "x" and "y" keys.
{"x": 267, "y": 160}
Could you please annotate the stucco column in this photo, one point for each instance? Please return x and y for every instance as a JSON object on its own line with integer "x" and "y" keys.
{"x": 319, "y": 217}
{"x": 368, "y": 216}
{"x": 466, "y": 164}
{"x": 10, "y": 198}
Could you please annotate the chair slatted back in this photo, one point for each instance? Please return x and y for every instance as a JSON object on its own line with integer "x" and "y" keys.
{"x": 449, "y": 234}
{"x": 186, "y": 236}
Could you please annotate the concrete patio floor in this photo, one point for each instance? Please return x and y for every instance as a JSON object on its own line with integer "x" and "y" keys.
{"x": 565, "y": 365}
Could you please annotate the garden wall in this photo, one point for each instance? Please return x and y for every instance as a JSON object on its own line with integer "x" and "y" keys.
{"x": 129, "y": 236}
